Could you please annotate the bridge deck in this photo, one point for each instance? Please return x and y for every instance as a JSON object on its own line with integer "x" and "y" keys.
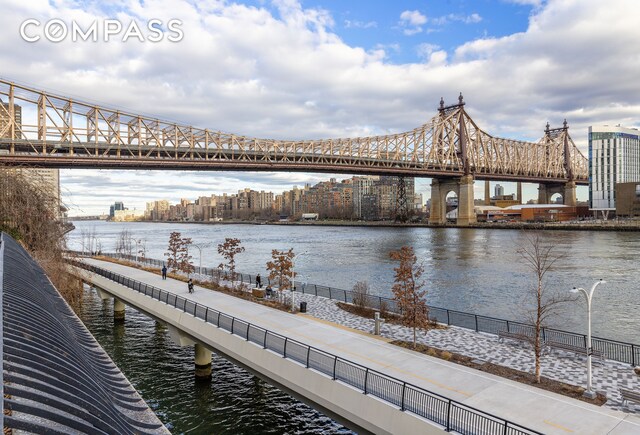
{"x": 531, "y": 407}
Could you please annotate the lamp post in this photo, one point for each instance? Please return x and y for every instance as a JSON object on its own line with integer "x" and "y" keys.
{"x": 200, "y": 246}
{"x": 588, "y": 296}
{"x": 138, "y": 243}
{"x": 293, "y": 281}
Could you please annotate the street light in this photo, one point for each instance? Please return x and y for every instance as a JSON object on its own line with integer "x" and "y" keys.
{"x": 589, "y": 393}
{"x": 138, "y": 243}
{"x": 200, "y": 246}
{"x": 293, "y": 280}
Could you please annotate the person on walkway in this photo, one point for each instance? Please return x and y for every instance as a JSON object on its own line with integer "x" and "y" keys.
{"x": 190, "y": 285}
{"x": 258, "y": 281}
{"x": 164, "y": 271}
{"x": 269, "y": 291}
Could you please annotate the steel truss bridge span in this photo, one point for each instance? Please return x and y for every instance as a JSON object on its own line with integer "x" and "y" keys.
{"x": 42, "y": 129}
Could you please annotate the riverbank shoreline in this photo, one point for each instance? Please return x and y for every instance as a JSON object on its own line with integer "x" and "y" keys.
{"x": 624, "y": 227}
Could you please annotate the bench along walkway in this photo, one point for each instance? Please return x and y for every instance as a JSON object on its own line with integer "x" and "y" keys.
{"x": 548, "y": 345}
{"x": 531, "y": 407}
{"x": 630, "y": 396}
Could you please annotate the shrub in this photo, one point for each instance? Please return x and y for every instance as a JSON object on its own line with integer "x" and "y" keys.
{"x": 361, "y": 294}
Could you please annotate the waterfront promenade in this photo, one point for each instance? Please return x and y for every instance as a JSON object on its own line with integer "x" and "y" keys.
{"x": 531, "y": 407}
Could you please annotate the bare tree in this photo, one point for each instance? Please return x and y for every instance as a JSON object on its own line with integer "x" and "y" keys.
{"x": 229, "y": 249}
{"x": 141, "y": 246}
{"x": 281, "y": 268}
{"x": 29, "y": 212}
{"x": 361, "y": 294}
{"x": 407, "y": 290}
{"x": 124, "y": 243}
{"x": 540, "y": 258}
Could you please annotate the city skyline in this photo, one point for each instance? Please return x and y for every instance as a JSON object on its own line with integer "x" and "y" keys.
{"x": 289, "y": 69}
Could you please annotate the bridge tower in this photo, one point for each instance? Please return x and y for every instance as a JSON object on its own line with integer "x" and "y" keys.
{"x": 452, "y": 128}
{"x": 559, "y": 147}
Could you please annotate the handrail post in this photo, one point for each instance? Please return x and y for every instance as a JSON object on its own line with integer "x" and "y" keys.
{"x": 476, "y": 317}
{"x": 233, "y": 319}
{"x": 264, "y": 344}
{"x": 448, "y": 416}
{"x": 404, "y": 388}
{"x": 366, "y": 376}
{"x": 284, "y": 352}
{"x": 308, "y": 352}
{"x": 248, "y": 326}
{"x": 335, "y": 363}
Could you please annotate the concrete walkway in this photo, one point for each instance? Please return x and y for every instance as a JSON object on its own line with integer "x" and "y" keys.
{"x": 531, "y": 407}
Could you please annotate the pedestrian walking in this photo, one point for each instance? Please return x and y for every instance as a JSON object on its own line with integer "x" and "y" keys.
{"x": 258, "y": 281}
{"x": 190, "y": 285}
{"x": 164, "y": 271}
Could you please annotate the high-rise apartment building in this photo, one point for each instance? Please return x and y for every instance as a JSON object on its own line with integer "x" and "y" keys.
{"x": 614, "y": 157}
{"x": 47, "y": 180}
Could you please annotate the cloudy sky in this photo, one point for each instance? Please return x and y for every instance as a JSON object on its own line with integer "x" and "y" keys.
{"x": 329, "y": 68}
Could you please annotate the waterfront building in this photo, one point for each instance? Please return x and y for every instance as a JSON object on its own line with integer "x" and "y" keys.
{"x": 117, "y": 206}
{"x": 628, "y": 199}
{"x": 127, "y": 215}
{"x": 614, "y": 157}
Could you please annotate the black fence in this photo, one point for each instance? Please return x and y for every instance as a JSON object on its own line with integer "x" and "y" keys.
{"x": 628, "y": 353}
{"x": 453, "y": 416}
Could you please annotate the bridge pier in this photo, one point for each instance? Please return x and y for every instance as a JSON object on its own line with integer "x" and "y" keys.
{"x": 487, "y": 192}
{"x": 463, "y": 188}
{"x": 118, "y": 310}
{"x": 567, "y": 190}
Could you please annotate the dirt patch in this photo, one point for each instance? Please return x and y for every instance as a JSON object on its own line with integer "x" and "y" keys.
{"x": 505, "y": 372}
{"x": 388, "y": 317}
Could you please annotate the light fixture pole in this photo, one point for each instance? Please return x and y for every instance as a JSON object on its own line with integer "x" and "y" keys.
{"x": 588, "y": 296}
{"x": 138, "y": 243}
{"x": 293, "y": 281}
{"x": 200, "y": 246}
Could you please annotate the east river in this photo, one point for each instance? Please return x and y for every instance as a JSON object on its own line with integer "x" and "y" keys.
{"x": 472, "y": 270}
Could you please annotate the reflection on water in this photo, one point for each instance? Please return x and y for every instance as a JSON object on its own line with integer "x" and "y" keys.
{"x": 234, "y": 402}
{"x": 474, "y": 270}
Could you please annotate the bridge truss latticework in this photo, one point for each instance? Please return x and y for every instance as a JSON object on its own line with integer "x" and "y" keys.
{"x": 42, "y": 129}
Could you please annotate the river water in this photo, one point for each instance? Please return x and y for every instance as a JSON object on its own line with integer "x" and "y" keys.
{"x": 473, "y": 270}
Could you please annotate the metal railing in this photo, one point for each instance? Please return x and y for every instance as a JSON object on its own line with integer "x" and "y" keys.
{"x": 452, "y": 415}
{"x": 628, "y": 353}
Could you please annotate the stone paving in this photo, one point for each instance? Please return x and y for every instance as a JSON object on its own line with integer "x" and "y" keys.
{"x": 563, "y": 366}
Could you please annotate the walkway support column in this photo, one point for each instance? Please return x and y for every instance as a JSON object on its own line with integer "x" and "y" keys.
{"x": 118, "y": 310}
{"x": 203, "y": 362}
{"x": 466, "y": 210}
{"x": 569, "y": 196}
{"x": 437, "y": 209}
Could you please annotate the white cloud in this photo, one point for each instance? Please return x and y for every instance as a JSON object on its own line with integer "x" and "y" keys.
{"x": 360, "y": 24}
{"x": 411, "y": 22}
{"x": 287, "y": 74}
{"x": 446, "y": 19}
{"x": 413, "y": 18}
